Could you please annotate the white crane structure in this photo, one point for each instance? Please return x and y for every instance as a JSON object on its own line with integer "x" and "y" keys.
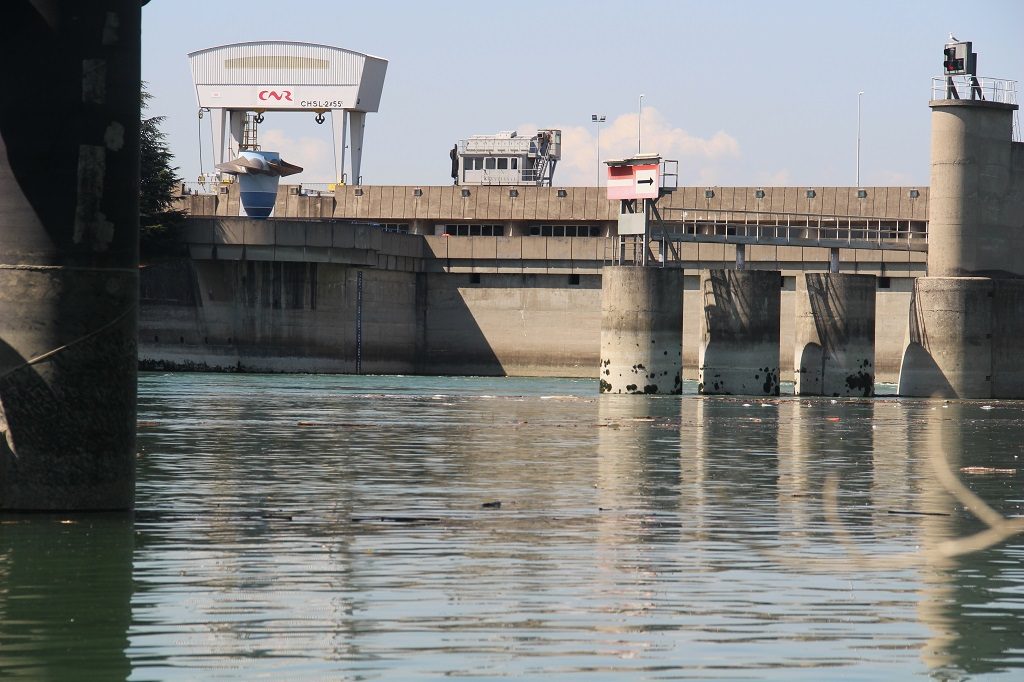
{"x": 235, "y": 80}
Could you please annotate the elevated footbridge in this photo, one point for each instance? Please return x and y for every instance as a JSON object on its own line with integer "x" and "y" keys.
{"x": 788, "y": 229}
{"x": 669, "y": 227}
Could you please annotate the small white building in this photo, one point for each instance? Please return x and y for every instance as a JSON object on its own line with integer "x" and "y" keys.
{"x": 507, "y": 159}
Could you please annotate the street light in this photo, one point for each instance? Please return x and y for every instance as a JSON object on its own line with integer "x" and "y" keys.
{"x": 860, "y": 96}
{"x": 639, "y": 119}
{"x": 598, "y": 119}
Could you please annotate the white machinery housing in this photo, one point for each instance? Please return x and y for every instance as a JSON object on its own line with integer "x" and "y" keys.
{"x": 264, "y": 76}
{"x": 507, "y": 159}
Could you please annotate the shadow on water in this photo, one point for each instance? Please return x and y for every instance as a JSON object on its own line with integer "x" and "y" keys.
{"x": 65, "y": 596}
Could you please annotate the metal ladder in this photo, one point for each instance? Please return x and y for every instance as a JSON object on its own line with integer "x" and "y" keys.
{"x": 249, "y": 141}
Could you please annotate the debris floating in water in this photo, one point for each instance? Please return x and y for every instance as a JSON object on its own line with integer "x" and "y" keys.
{"x": 987, "y": 470}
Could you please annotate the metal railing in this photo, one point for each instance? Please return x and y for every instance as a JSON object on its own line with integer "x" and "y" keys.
{"x": 968, "y": 87}
{"x": 209, "y": 187}
{"x": 797, "y": 229}
{"x": 318, "y": 188}
{"x": 213, "y": 187}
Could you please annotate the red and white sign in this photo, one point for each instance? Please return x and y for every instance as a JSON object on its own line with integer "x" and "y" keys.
{"x": 634, "y": 182}
{"x": 275, "y": 94}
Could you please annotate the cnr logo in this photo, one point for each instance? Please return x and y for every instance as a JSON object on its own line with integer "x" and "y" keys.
{"x": 274, "y": 94}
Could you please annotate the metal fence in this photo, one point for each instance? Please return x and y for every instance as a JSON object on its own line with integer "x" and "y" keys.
{"x": 797, "y": 229}
{"x": 969, "y": 87}
{"x": 313, "y": 189}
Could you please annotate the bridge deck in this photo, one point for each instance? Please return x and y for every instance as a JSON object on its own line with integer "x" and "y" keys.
{"x": 789, "y": 229}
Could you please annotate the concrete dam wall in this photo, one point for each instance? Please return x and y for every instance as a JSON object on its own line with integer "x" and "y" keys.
{"x": 329, "y": 317}
{"x": 292, "y": 308}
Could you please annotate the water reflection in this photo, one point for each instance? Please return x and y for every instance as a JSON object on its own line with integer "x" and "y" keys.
{"x": 366, "y": 527}
{"x": 973, "y": 604}
{"x": 65, "y": 592}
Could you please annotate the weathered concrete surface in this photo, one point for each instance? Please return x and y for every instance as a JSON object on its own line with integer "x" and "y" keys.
{"x": 307, "y": 317}
{"x": 510, "y": 324}
{"x": 641, "y": 330}
{"x": 835, "y": 335}
{"x": 279, "y": 317}
{"x": 69, "y": 178}
{"x": 948, "y": 353}
{"x": 492, "y": 204}
{"x": 1008, "y": 338}
{"x": 739, "y": 351}
{"x": 977, "y": 191}
{"x": 964, "y": 339}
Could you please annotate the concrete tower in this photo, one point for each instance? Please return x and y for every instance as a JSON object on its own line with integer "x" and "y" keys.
{"x": 967, "y": 317}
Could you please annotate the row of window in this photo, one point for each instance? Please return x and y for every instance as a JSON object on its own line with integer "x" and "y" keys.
{"x": 474, "y": 230}
{"x": 535, "y": 230}
{"x": 574, "y": 279}
{"x": 565, "y": 231}
{"x": 490, "y": 163}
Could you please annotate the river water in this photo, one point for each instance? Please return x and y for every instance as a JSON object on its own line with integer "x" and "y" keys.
{"x": 409, "y": 528}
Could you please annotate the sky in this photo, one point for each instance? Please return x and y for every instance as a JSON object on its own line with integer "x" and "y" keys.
{"x": 741, "y": 93}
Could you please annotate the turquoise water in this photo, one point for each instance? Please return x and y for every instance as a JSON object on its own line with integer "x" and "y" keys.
{"x": 349, "y": 528}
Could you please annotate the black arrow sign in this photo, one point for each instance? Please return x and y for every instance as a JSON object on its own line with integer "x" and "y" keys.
{"x": 648, "y": 181}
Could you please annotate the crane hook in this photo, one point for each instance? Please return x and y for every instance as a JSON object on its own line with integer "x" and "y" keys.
{"x": 258, "y": 117}
{"x": 320, "y": 118}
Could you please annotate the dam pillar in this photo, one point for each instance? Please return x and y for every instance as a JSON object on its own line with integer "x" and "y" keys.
{"x": 739, "y": 347}
{"x": 69, "y": 209}
{"x": 948, "y": 350}
{"x": 965, "y": 316}
{"x": 641, "y": 330}
{"x": 835, "y": 335}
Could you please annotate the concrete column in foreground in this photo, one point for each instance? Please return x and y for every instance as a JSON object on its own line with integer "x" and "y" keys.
{"x": 948, "y": 351}
{"x": 69, "y": 220}
{"x": 641, "y": 330}
{"x": 739, "y": 348}
{"x": 834, "y": 349}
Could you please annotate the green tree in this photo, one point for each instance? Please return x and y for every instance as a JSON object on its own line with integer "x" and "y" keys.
{"x": 159, "y": 220}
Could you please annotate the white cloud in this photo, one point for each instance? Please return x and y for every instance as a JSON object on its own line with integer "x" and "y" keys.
{"x": 314, "y": 155}
{"x": 779, "y": 178}
{"x": 579, "y": 164}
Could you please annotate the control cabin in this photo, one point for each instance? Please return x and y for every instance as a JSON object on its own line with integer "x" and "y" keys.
{"x": 507, "y": 158}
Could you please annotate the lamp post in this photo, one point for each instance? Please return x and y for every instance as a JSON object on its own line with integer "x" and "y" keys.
{"x": 598, "y": 119}
{"x": 639, "y": 119}
{"x": 860, "y": 96}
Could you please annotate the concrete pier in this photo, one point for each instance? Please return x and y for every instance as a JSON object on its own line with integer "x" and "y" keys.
{"x": 641, "y": 330}
{"x": 965, "y": 323}
{"x": 964, "y": 339}
{"x": 835, "y": 335}
{"x": 949, "y": 350}
{"x": 69, "y": 192}
{"x": 739, "y": 350}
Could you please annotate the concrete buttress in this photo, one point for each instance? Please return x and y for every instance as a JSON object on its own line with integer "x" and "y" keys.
{"x": 835, "y": 335}
{"x": 641, "y": 330}
{"x": 740, "y": 333}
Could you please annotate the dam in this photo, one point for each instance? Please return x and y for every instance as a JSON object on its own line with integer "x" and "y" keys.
{"x": 502, "y": 274}
{"x": 491, "y": 280}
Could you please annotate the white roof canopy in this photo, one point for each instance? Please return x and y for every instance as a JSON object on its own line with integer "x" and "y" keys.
{"x": 287, "y": 76}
